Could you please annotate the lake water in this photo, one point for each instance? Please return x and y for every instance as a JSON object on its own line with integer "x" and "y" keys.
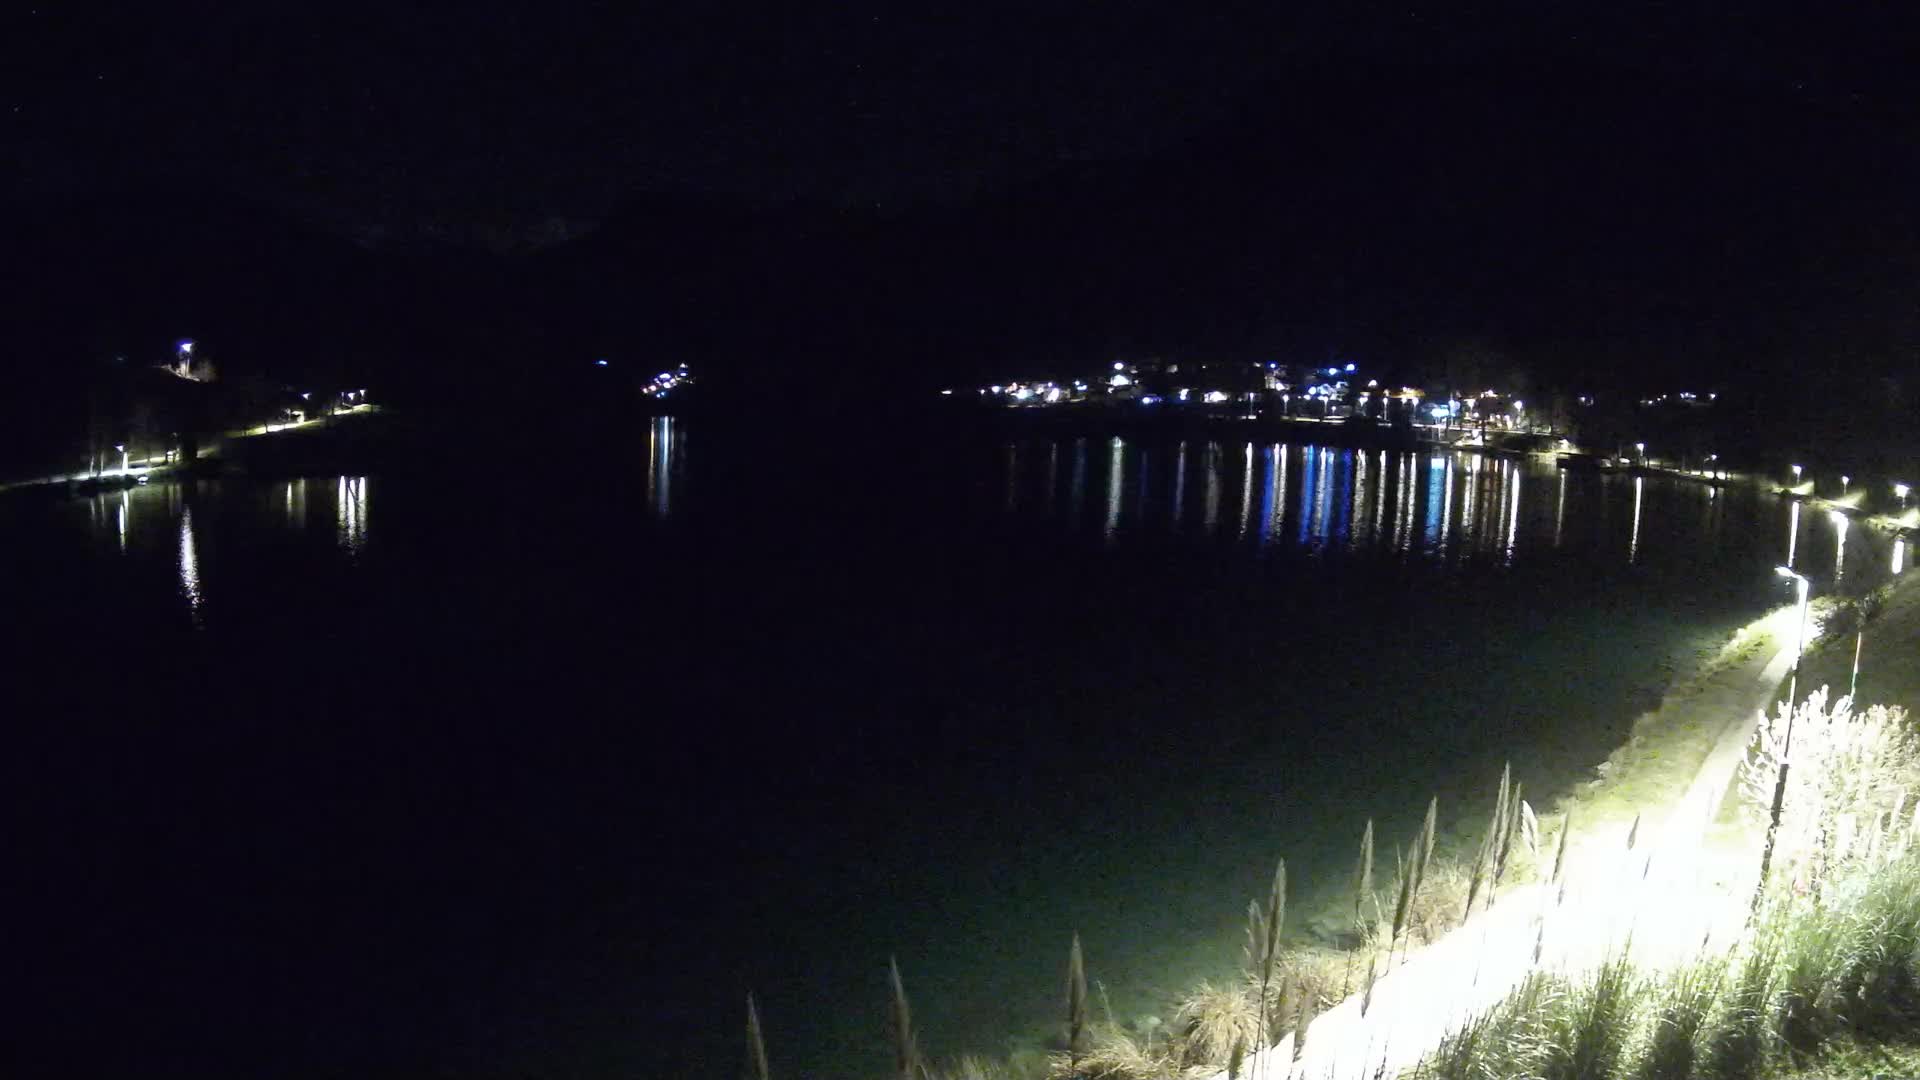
{"x": 476, "y": 775}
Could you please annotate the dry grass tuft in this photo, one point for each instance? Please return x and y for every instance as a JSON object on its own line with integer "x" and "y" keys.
{"x": 1116, "y": 1055}
{"x": 1210, "y": 1019}
{"x": 1315, "y": 976}
{"x": 1434, "y": 910}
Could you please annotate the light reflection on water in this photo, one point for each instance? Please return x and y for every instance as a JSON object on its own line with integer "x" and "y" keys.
{"x": 1633, "y": 546}
{"x": 351, "y": 512}
{"x": 1840, "y": 524}
{"x": 665, "y": 451}
{"x": 1450, "y": 506}
{"x": 189, "y": 566}
{"x": 1793, "y": 531}
{"x": 295, "y": 498}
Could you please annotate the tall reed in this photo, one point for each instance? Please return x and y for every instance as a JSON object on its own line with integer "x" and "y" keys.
{"x": 1509, "y": 828}
{"x": 1426, "y": 843}
{"x": 1403, "y": 876}
{"x": 1492, "y": 845}
{"x": 1263, "y": 950}
{"x": 756, "y": 1044}
{"x": 906, "y": 1052}
{"x": 1362, "y": 892}
{"x": 1076, "y": 1004}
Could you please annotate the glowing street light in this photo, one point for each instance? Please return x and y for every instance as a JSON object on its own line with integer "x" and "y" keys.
{"x": 122, "y": 447}
{"x": 1900, "y": 492}
{"x": 1641, "y": 449}
{"x": 1845, "y": 481}
{"x": 1796, "y": 473}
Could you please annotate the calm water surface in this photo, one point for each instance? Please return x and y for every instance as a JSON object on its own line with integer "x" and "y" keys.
{"x": 480, "y": 776}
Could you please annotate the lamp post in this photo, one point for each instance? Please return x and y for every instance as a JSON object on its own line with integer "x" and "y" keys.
{"x": 1786, "y": 740}
{"x": 1796, "y": 474}
{"x": 122, "y": 447}
{"x": 1845, "y": 482}
{"x": 1900, "y": 492}
{"x": 1800, "y": 635}
{"x": 1641, "y": 449}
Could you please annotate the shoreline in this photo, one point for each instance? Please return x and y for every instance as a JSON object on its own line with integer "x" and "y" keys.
{"x": 1685, "y": 750}
{"x": 1674, "y": 737}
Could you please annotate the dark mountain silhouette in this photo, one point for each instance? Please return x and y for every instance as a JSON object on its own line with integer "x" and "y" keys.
{"x": 1601, "y": 226}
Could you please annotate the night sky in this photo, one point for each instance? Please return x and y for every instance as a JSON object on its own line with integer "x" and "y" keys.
{"x": 1634, "y": 193}
{"x": 511, "y": 114}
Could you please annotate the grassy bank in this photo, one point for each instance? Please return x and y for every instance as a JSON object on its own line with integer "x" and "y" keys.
{"x": 1823, "y": 977}
{"x": 1406, "y": 895}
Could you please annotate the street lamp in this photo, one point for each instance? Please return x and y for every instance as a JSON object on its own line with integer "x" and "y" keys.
{"x": 1800, "y": 636}
{"x": 1641, "y": 449}
{"x": 1786, "y": 740}
{"x": 1844, "y": 482}
{"x": 122, "y": 447}
{"x": 1796, "y": 473}
{"x": 1900, "y": 492}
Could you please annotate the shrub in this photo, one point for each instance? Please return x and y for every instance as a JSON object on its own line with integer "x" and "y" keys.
{"x": 1680, "y": 1009}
